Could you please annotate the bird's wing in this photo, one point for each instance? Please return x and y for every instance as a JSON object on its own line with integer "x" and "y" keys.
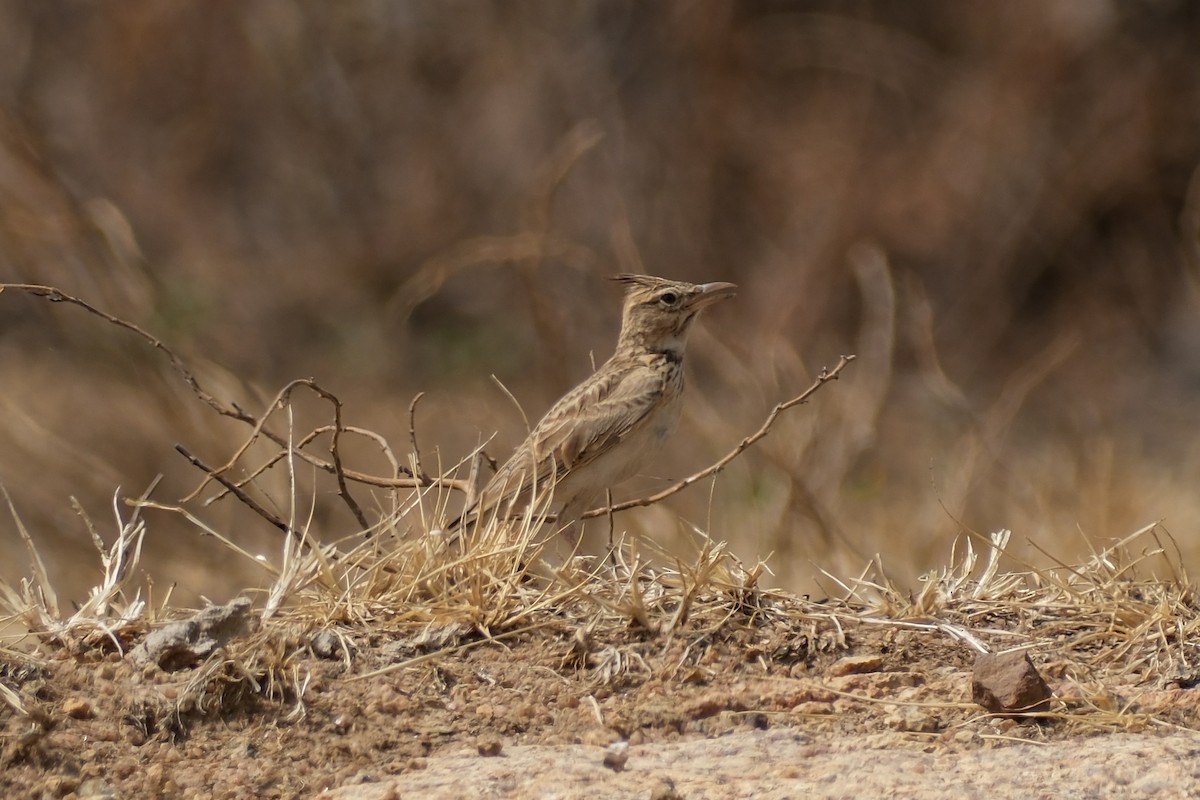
{"x": 583, "y": 424}
{"x": 601, "y": 413}
{"x": 589, "y": 419}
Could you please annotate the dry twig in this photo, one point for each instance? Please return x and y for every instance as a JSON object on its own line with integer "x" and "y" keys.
{"x": 418, "y": 470}
{"x": 333, "y": 466}
{"x": 825, "y": 376}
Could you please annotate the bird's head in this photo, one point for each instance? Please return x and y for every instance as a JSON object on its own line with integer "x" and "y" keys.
{"x": 658, "y": 312}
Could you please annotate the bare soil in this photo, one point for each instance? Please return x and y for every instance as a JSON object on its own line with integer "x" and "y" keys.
{"x": 809, "y": 707}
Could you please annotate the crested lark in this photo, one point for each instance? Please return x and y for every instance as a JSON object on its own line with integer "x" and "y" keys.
{"x": 597, "y": 435}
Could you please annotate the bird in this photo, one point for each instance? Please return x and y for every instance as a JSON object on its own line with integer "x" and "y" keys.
{"x": 598, "y": 433}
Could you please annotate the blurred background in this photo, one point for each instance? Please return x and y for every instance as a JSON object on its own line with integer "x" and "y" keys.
{"x": 994, "y": 205}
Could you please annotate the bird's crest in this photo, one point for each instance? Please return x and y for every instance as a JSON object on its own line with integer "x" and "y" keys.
{"x": 641, "y": 281}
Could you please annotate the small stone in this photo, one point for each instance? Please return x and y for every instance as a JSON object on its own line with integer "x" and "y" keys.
{"x": 615, "y": 756}
{"x": 1009, "y": 683}
{"x": 327, "y": 644}
{"x": 912, "y": 720}
{"x": 855, "y": 665}
{"x": 490, "y": 746}
{"x": 78, "y": 708}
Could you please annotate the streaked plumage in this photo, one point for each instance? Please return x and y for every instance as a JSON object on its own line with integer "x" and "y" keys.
{"x": 597, "y": 435}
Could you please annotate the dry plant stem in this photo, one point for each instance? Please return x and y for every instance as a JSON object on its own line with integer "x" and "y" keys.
{"x": 307, "y": 440}
{"x": 233, "y": 410}
{"x": 343, "y": 490}
{"x": 354, "y": 475}
{"x": 235, "y": 490}
{"x": 825, "y": 376}
{"x": 57, "y": 296}
{"x": 418, "y": 471}
{"x": 279, "y": 401}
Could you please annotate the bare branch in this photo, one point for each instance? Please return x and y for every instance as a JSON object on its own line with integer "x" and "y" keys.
{"x": 58, "y": 296}
{"x": 233, "y": 410}
{"x": 335, "y": 454}
{"x": 419, "y": 471}
{"x": 237, "y": 492}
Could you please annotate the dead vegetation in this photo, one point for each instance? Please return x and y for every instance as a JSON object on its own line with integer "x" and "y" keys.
{"x": 1000, "y": 224}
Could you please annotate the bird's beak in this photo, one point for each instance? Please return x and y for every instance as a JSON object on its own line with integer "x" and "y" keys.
{"x": 708, "y": 293}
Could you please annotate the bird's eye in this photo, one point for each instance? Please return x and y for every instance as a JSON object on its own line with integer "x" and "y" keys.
{"x": 669, "y": 298}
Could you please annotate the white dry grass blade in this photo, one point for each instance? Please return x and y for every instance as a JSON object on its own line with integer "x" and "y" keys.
{"x": 988, "y": 583}
{"x": 41, "y": 594}
{"x": 964, "y": 580}
{"x": 105, "y": 610}
{"x": 118, "y": 561}
{"x": 13, "y": 699}
{"x": 295, "y": 569}
{"x": 204, "y": 527}
{"x": 13, "y": 603}
{"x": 695, "y": 579}
{"x": 301, "y": 559}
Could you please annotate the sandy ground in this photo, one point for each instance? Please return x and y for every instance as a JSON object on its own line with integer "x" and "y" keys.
{"x": 765, "y": 706}
{"x": 785, "y": 763}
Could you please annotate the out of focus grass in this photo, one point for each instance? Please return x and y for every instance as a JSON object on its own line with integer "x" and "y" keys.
{"x": 993, "y": 206}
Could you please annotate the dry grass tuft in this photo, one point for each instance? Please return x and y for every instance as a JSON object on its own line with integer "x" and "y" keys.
{"x": 113, "y": 610}
{"x": 1116, "y": 634}
{"x": 1119, "y": 631}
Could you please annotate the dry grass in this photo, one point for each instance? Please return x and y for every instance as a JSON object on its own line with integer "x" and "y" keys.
{"x": 1115, "y": 632}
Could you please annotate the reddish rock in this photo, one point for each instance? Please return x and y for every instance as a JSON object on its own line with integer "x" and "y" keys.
{"x": 1007, "y": 683}
{"x": 490, "y": 746}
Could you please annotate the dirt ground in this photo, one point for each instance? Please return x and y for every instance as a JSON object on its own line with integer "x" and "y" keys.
{"x": 792, "y": 706}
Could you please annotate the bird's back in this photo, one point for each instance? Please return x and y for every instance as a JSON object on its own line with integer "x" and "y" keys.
{"x": 594, "y": 437}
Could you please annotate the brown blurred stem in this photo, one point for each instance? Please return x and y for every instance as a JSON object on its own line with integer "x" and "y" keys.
{"x": 237, "y": 492}
{"x": 418, "y": 471}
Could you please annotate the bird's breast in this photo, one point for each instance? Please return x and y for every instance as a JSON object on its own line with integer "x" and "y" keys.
{"x": 666, "y": 420}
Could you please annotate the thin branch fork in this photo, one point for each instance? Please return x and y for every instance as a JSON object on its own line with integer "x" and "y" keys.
{"x": 236, "y": 491}
{"x": 825, "y": 377}
{"x": 402, "y": 479}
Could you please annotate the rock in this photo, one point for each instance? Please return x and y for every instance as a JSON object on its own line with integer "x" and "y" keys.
{"x": 327, "y": 644}
{"x": 185, "y": 642}
{"x": 1008, "y": 683}
{"x": 78, "y": 708}
{"x": 615, "y": 756}
{"x": 913, "y": 720}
